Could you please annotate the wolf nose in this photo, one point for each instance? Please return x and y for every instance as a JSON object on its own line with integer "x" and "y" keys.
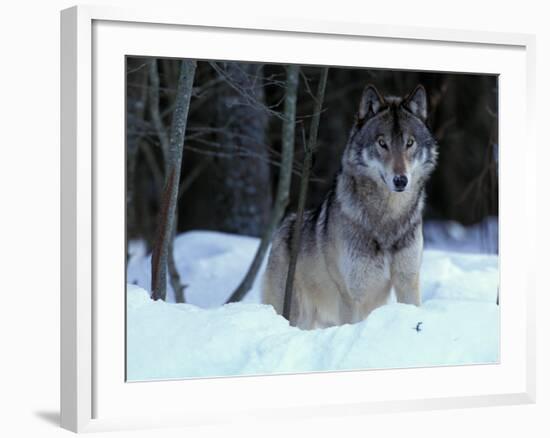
{"x": 400, "y": 182}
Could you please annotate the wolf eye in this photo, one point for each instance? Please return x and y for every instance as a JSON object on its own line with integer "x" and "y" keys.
{"x": 410, "y": 142}
{"x": 382, "y": 143}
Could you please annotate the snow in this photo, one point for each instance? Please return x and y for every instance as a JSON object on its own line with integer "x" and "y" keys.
{"x": 478, "y": 238}
{"x": 212, "y": 264}
{"x": 459, "y": 320}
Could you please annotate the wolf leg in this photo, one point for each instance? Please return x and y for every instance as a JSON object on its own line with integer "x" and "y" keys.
{"x": 272, "y": 288}
{"x": 407, "y": 289}
{"x": 406, "y": 271}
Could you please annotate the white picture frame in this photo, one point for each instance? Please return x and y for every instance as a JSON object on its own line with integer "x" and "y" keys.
{"x": 94, "y": 397}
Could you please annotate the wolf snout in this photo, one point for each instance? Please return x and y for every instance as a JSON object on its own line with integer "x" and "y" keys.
{"x": 400, "y": 182}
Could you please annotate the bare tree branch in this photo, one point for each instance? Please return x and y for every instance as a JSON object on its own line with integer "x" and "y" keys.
{"x": 151, "y": 161}
{"x": 193, "y": 175}
{"x": 247, "y": 94}
{"x": 175, "y": 280}
{"x": 223, "y": 152}
{"x": 283, "y": 186}
{"x": 135, "y": 109}
{"x": 297, "y": 234}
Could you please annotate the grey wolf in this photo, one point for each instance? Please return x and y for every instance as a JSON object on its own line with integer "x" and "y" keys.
{"x": 366, "y": 236}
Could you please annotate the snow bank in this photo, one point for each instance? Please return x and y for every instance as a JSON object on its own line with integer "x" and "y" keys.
{"x": 181, "y": 340}
{"x": 450, "y": 235}
{"x": 459, "y": 319}
{"x": 212, "y": 264}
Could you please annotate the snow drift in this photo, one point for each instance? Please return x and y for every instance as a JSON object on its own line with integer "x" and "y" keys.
{"x": 457, "y": 324}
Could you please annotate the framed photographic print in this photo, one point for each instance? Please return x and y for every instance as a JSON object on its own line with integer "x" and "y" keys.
{"x": 252, "y": 208}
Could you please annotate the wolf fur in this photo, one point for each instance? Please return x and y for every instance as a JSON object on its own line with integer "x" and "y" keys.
{"x": 366, "y": 236}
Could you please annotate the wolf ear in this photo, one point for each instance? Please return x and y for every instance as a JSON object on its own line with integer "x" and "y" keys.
{"x": 371, "y": 104}
{"x": 417, "y": 102}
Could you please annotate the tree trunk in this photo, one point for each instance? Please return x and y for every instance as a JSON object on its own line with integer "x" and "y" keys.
{"x": 241, "y": 183}
{"x": 159, "y": 260}
{"x": 154, "y": 100}
{"x": 310, "y": 149}
{"x": 283, "y": 186}
{"x": 175, "y": 280}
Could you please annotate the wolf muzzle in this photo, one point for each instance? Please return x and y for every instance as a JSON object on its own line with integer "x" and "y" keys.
{"x": 400, "y": 182}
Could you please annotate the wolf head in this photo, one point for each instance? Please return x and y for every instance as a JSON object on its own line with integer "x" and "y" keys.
{"x": 390, "y": 142}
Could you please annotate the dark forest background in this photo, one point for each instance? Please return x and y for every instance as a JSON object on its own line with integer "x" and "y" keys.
{"x": 231, "y": 156}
